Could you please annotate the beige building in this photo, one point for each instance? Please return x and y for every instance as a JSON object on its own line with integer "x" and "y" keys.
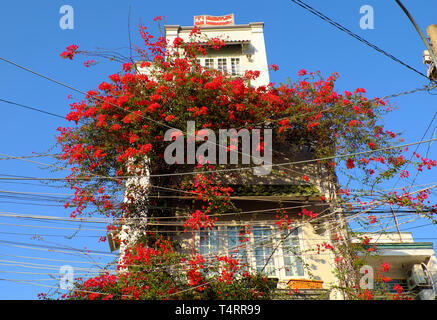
{"x": 286, "y": 255}
{"x": 413, "y": 265}
{"x": 291, "y": 256}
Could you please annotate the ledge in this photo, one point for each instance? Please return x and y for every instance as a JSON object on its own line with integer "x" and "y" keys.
{"x": 307, "y": 294}
{"x": 402, "y": 246}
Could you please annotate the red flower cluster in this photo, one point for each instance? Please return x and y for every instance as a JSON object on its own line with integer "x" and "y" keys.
{"x": 70, "y": 52}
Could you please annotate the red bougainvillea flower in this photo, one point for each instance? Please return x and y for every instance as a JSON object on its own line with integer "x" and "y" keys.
{"x": 302, "y": 73}
{"x": 385, "y": 267}
{"x": 127, "y": 66}
{"x": 398, "y": 288}
{"x": 274, "y": 67}
{"x": 372, "y": 145}
{"x": 70, "y": 52}
{"x": 88, "y": 63}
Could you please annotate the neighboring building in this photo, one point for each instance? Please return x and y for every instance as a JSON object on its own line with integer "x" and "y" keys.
{"x": 413, "y": 265}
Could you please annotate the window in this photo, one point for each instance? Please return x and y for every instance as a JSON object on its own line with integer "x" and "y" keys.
{"x": 235, "y": 245}
{"x": 258, "y": 252}
{"x": 222, "y": 65}
{"x": 195, "y": 65}
{"x": 235, "y": 66}
{"x": 291, "y": 254}
{"x": 262, "y": 237}
{"x": 231, "y": 65}
{"x": 389, "y": 285}
{"x": 209, "y": 63}
{"x": 208, "y": 241}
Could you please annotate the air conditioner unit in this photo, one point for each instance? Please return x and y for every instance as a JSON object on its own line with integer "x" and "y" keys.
{"x": 426, "y": 294}
{"x": 417, "y": 278}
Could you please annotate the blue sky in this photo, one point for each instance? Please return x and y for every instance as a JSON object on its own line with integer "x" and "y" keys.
{"x": 294, "y": 38}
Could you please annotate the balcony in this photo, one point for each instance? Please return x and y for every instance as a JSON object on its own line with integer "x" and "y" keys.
{"x": 406, "y": 261}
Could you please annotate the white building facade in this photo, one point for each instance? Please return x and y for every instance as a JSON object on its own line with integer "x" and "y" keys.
{"x": 244, "y": 47}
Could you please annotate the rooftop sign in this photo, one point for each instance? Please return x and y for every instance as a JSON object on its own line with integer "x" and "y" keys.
{"x": 206, "y": 20}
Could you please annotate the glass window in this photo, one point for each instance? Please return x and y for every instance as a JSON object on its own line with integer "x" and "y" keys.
{"x": 222, "y": 65}
{"x": 262, "y": 236}
{"x": 389, "y": 285}
{"x": 235, "y": 246}
{"x": 209, "y": 63}
{"x": 291, "y": 254}
{"x": 209, "y": 241}
{"x": 235, "y": 66}
{"x": 257, "y": 252}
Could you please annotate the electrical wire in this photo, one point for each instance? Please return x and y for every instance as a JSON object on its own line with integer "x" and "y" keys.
{"x": 354, "y": 35}
{"x": 233, "y": 169}
{"x": 32, "y": 108}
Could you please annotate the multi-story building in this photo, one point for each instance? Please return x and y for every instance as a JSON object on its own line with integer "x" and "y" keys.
{"x": 292, "y": 256}
{"x": 284, "y": 255}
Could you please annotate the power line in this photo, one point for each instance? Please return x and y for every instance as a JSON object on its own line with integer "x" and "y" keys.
{"x": 54, "y": 248}
{"x": 349, "y": 32}
{"x": 159, "y": 223}
{"x": 32, "y": 108}
{"x": 228, "y": 249}
{"x": 32, "y": 156}
{"x": 422, "y": 37}
{"x": 45, "y": 273}
{"x": 306, "y": 254}
{"x": 49, "y": 227}
{"x": 59, "y": 288}
{"x": 230, "y": 169}
{"x": 46, "y": 235}
{"x": 31, "y": 265}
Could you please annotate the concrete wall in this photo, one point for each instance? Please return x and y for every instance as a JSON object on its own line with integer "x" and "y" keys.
{"x": 392, "y": 237}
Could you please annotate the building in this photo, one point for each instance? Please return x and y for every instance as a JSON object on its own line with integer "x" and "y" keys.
{"x": 297, "y": 257}
{"x": 283, "y": 255}
{"x": 413, "y": 265}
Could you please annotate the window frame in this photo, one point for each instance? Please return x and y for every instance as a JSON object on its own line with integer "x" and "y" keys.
{"x": 238, "y": 73}
{"x": 277, "y": 258}
{"x": 229, "y": 66}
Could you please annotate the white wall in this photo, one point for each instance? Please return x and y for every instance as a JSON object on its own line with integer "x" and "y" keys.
{"x": 253, "y": 32}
